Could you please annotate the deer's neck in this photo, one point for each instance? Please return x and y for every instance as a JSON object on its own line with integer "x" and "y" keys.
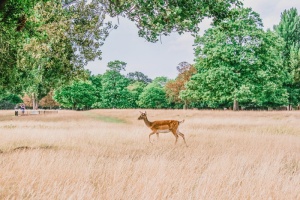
{"x": 147, "y": 122}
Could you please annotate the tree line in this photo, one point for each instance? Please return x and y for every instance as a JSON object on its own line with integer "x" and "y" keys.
{"x": 45, "y": 45}
{"x": 115, "y": 90}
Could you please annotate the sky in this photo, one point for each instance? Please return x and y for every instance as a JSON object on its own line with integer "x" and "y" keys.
{"x": 162, "y": 58}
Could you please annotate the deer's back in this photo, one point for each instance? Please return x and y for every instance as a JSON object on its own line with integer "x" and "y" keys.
{"x": 165, "y": 124}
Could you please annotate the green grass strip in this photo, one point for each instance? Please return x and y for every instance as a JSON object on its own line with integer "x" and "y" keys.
{"x": 105, "y": 118}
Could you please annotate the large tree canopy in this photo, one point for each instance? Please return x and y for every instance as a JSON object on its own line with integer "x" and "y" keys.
{"x": 152, "y": 17}
{"x": 238, "y": 62}
{"x": 156, "y": 17}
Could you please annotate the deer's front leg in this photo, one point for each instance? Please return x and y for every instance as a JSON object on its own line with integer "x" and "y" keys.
{"x": 150, "y": 136}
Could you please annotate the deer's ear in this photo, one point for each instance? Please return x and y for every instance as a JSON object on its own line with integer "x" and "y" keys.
{"x": 145, "y": 113}
{"x": 141, "y": 112}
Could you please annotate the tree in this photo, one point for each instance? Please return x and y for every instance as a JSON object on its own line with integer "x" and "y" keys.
{"x": 174, "y": 87}
{"x": 48, "y": 101}
{"x": 295, "y": 65}
{"x": 9, "y": 100}
{"x": 289, "y": 29}
{"x": 114, "y": 86}
{"x": 52, "y": 47}
{"x": 116, "y": 66}
{"x": 293, "y": 86}
{"x": 96, "y": 81}
{"x": 238, "y": 62}
{"x": 14, "y": 12}
{"x": 78, "y": 95}
{"x": 139, "y": 76}
{"x": 154, "y": 94}
{"x": 160, "y": 81}
{"x": 135, "y": 90}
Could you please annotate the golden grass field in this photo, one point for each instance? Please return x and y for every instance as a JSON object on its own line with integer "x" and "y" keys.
{"x": 105, "y": 154}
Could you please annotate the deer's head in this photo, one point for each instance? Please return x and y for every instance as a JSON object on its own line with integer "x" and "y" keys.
{"x": 142, "y": 116}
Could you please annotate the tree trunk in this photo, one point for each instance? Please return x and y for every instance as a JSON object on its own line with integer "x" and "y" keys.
{"x": 235, "y": 105}
{"x": 34, "y": 102}
{"x": 185, "y": 105}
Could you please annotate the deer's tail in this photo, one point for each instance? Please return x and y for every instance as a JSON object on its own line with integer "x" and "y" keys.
{"x": 180, "y": 122}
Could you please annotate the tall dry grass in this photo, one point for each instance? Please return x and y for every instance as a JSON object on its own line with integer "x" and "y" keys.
{"x": 105, "y": 154}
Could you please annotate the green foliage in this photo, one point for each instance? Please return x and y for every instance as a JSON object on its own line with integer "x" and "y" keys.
{"x": 114, "y": 87}
{"x": 52, "y": 46}
{"x": 160, "y": 81}
{"x": 289, "y": 30}
{"x": 13, "y": 33}
{"x": 78, "y": 95}
{"x": 237, "y": 60}
{"x": 15, "y": 99}
{"x": 135, "y": 89}
{"x": 154, "y": 95}
{"x": 157, "y": 17}
{"x": 114, "y": 90}
{"x": 97, "y": 83}
{"x": 9, "y": 101}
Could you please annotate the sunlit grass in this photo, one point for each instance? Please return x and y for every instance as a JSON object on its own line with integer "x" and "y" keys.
{"x": 105, "y": 154}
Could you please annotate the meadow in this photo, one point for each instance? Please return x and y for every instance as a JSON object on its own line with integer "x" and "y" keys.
{"x": 105, "y": 154}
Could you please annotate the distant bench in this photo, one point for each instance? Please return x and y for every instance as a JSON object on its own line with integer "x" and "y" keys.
{"x": 38, "y": 112}
{"x": 35, "y": 112}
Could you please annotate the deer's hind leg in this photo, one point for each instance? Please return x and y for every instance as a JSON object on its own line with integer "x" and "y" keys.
{"x": 175, "y": 134}
{"x": 182, "y": 135}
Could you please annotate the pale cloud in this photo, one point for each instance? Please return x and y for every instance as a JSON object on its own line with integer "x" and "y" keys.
{"x": 181, "y": 42}
{"x": 185, "y": 41}
{"x": 270, "y": 10}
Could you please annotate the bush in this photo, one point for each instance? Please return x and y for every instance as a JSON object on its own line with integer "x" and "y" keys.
{"x": 9, "y": 101}
{"x": 6, "y": 105}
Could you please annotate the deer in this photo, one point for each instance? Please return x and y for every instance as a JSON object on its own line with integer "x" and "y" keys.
{"x": 162, "y": 126}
